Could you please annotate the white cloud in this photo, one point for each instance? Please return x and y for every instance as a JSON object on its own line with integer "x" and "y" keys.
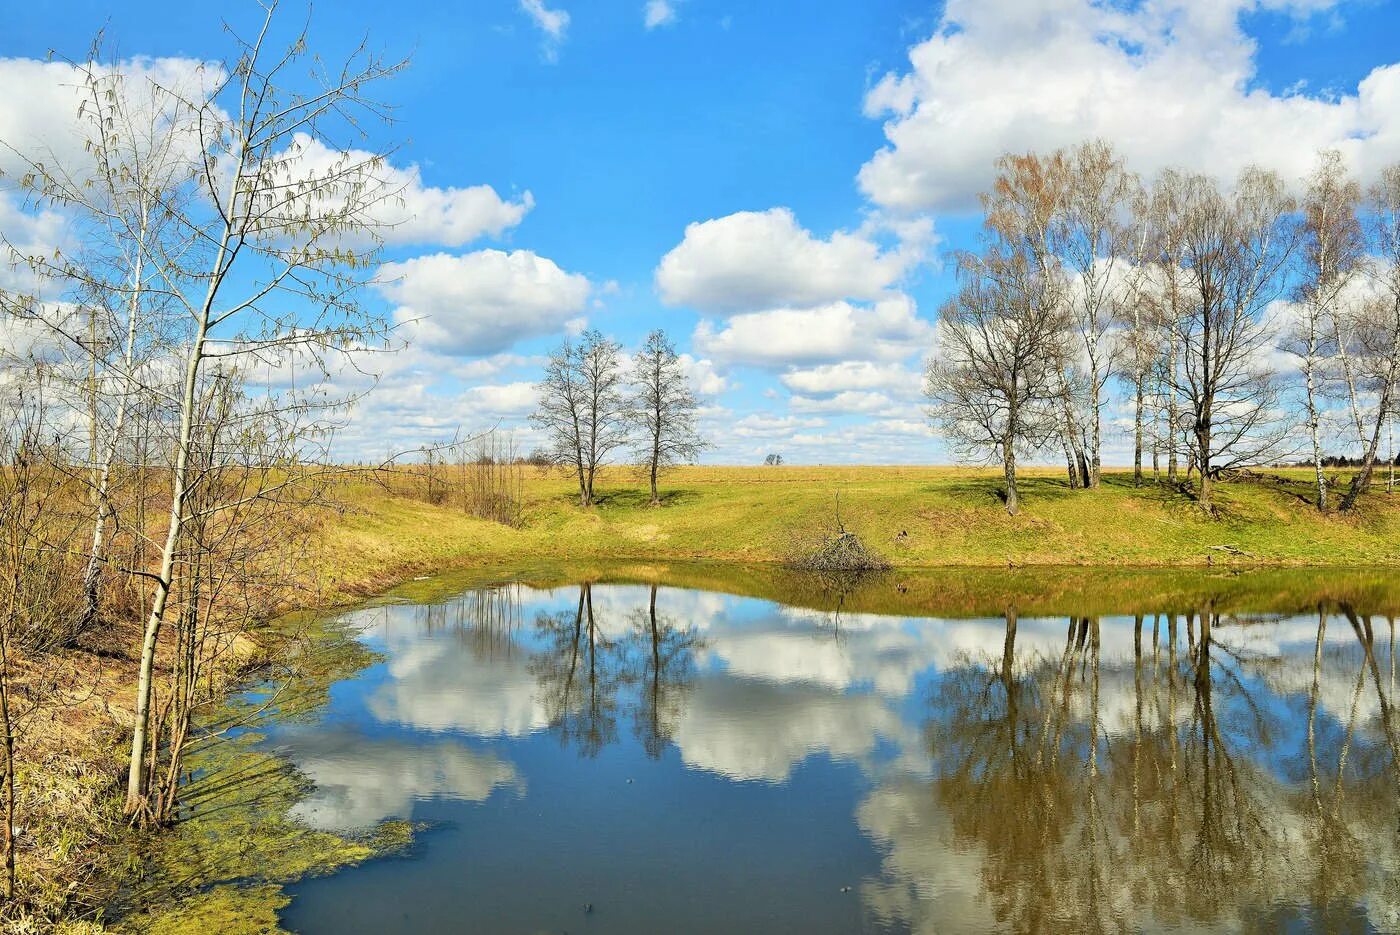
{"x": 553, "y": 23}
{"x": 720, "y": 732}
{"x": 759, "y": 425}
{"x": 40, "y": 118}
{"x": 848, "y": 402}
{"x": 482, "y": 302}
{"x": 838, "y": 332}
{"x": 764, "y": 259}
{"x": 40, "y": 122}
{"x": 30, "y": 234}
{"x": 704, "y": 380}
{"x": 1168, "y": 83}
{"x": 659, "y": 13}
{"x": 509, "y": 399}
{"x": 410, "y": 212}
{"x": 852, "y": 375}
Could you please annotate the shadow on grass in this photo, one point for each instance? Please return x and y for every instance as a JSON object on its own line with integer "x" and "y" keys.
{"x": 1159, "y": 490}
{"x": 632, "y": 499}
{"x": 980, "y": 491}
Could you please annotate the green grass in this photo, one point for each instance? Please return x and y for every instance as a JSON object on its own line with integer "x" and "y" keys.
{"x": 949, "y": 517}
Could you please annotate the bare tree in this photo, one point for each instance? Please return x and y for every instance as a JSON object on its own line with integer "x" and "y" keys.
{"x": 1092, "y": 235}
{"x": 491, "y": 477}
{"x": 995, "y": 383}
{"x": 663, "y": 406}
{"x": 37, "y": 601}
{"x": 1233, "y": 250}
{"x": 582, "y": 407}
{"x": 1164, "y": 266}
{"x": 1378, "y": 325}
{"x": 265, "y": 216}
{"x": 1141, "y": 345}
{"x": 118, "y": 201}
{"x": 1332, "y": 249}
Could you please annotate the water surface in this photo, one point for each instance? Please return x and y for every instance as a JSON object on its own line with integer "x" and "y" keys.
{"x": 633, "y": 758}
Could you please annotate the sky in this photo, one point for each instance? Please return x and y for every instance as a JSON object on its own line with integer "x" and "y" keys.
{"x": 775, "y": 184}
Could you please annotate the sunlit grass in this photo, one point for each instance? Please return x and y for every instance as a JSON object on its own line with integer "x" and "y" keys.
{"x": 914, "y": 516}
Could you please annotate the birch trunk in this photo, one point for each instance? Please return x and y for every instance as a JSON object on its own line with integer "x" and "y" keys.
{"x": 92, "y": 575}
{"x": 1137, "y": 432}
{"x": 136, "y": 782}
{"x": 1309, "y": 370}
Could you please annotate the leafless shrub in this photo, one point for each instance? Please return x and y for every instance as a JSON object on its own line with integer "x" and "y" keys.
{"x": 493, "y": 480}
{"x": 831, "y": 548}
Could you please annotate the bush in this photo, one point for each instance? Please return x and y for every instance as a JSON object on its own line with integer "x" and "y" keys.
{"x": 833, "y": 549}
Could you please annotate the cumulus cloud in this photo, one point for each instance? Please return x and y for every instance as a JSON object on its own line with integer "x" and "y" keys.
{"x": 703, "y": 377}
{"x": 481, "y": 302}
{"x": 852, "y": 375}
{"x": 508, "y": 399}
{"x": 839, "y": 332}
{"x": 40, "y": 120}
{"x": 850, "y": 401}
{"x": 759, "y": 425}
{"x": 1169, "y": 83}
{"x": 409, "y": 212}
{"x": 764, "y": 259}
{"x": 28, "y": 233}
{"x": 753, "y": 730}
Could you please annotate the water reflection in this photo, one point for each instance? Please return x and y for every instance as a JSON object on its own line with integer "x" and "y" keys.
{"x": 1185, "y": 770}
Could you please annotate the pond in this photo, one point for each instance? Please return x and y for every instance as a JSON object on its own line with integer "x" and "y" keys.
{"x": 611, "y": 755}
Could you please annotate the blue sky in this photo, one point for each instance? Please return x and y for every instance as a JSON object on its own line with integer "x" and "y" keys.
{"x": 807, "y": 307}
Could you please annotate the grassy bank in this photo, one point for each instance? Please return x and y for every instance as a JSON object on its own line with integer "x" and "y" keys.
{"x": 913, "y": 516}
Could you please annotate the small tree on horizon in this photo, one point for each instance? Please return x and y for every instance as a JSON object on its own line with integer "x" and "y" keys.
{"x": 663, "y": 406}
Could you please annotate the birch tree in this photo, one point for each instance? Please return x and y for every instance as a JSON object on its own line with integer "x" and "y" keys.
{"x": 138, "y": 144}
{"x": 1234, "y": 249}
{"x": 1379, "y": 322}
{"x": 992, "y": 384}
{"x": 1167, "y": 209}
{"x": 1332, "y": 248}
{"x": 995, "y": 383}
{"x": 270, "y": 265}
{"x": 1138, "y": 314}
{"x": 1092, "y": 235}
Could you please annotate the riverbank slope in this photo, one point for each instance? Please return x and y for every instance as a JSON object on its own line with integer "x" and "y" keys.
{"x": 913, "y": 516}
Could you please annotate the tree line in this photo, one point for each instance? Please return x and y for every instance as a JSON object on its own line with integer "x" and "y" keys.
{"x": 592, "y": 406}
{"x": 1085, "y": 276}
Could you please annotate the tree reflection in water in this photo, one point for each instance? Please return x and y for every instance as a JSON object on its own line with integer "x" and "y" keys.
{"x": 661, "y": 663}
{"x": 581, "y": 669}
{"x": 1174, "y": 811}
{"x": 1194, "y": 770}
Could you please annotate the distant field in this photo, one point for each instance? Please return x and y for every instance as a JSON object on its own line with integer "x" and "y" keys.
{"x": 948, "y": 516}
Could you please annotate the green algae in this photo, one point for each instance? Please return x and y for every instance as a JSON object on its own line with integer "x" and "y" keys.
{"x": 223, "y": 866}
